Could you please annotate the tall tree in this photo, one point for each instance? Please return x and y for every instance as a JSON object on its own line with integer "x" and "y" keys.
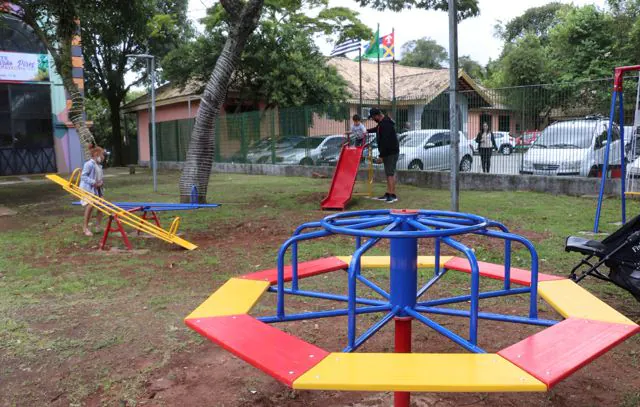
{"x": 55, "y": 22}
{"x": 535, "y": 20}
{"x": 243, "y": 19}
{"x": 135, "y": 26}
{"x": 473, "y": 68}
{"x": 424, "y": 53}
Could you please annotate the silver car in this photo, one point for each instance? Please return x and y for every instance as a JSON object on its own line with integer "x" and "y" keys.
{"x": 430, "y": 150}
{"x": 309, "y": 150}
{"x": 574, "y": 147}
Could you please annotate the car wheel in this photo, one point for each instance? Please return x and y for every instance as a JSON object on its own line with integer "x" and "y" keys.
{"x": 506, "y": 149}
{"x": 465, "y": 164}
{"x": 264, "y": 160}
{"x": 416, "y": 165}
{"x": 593, "y": 172}
{"x": 306, "y": 161}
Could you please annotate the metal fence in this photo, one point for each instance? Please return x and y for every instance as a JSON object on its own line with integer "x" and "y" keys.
{"x": 539, "y": 130}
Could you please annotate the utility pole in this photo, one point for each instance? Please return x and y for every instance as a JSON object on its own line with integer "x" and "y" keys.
{"x": 154, "y": 152}
{"x": 453, "y": 106}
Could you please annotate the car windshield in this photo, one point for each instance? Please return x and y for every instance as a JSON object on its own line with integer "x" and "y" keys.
{"x": 573, "y": 136}
{"x": 311, "y": 142}
{"x": 414, "y": 140}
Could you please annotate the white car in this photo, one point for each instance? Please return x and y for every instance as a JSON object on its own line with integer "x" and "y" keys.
{"x": 430, "y": 150}
{"x": 309, "y": 150}
{"x": 575, "y": 147}
{"x": 505, "y": 143}
{"x": 633, "y": 169}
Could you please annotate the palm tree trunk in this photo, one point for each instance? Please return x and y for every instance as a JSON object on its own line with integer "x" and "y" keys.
{"x": 200, "y": 154}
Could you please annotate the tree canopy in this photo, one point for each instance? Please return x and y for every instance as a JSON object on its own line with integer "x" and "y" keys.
{"x": 280, "y": 62}
{"x": 135, "y": 26}
{"x": 424, "y": 53}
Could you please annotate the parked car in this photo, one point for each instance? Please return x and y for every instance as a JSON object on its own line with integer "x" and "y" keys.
{"x": 574, "y": 147}
{"x": 261, "y": 152}
{"x": 330, "y": 156}
{"x": 527, "y": 139}
{"x": 633, "y": 169}
{"x": 505, "y": 143}
{"x": 430, "y": 150}
{"x": 308, "y": 150}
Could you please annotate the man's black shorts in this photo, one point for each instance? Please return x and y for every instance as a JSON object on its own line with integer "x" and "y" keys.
{"x": 390, "y": 162}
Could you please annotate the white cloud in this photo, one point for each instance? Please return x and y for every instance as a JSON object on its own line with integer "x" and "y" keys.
{"x": 475, "y": 35}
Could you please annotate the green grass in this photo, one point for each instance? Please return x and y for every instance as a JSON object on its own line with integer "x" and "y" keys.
{"x": 60, "y": 298}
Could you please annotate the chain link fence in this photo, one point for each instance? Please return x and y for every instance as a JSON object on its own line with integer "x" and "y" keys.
{"x": 541, "y": 130}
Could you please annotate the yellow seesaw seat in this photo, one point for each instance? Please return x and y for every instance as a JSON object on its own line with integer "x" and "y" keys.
{"x": 124, "y": 216}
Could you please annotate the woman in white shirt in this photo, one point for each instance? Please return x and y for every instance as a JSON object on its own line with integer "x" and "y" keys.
{"x": 486, "y": 145}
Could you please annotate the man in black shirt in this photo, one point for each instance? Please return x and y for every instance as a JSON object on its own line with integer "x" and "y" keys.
{"x": 389, "y": 148}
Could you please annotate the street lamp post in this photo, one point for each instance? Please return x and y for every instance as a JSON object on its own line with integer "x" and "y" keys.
{"x": 154, "y": 160}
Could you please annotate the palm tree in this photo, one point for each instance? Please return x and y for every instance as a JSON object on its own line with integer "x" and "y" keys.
{"x": 244, "y": 19}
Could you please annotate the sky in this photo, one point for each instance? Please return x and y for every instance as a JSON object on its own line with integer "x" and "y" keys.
{"x": 475, "y": 35}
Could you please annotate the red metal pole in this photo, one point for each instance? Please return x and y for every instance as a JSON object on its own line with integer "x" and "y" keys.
{"x": 403, "y": 345}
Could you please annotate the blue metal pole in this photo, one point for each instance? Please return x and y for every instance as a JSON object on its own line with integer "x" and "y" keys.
{"x": 437, "y": 256}
{"x": 475, "y": 287}
{"x": 533, "y": 300}
{"x": 487, "y": 315}
{"x": 623, "y": 167}
{"x": 465, "y": 298}
{"x": 596, "y": 223}
{"x": 280, "y": 264}
{"x": 323, "y": 314}
{"x": 507, "y": 264}
{"x": 373, "y": 286}
{"x": 430, "y": 283}
{"x": 294, "y": 266}
{"x": 404, "y": 268}
{"x": 332, "y": 297}
{"x": 444, "y": 331}
{"x": 370, "y": 332}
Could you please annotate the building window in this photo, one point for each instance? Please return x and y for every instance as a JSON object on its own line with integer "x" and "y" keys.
{"x": 25, "y": 116}
{"x": 504, "y": 123}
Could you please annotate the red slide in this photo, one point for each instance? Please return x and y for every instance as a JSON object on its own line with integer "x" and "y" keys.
{"x": 344, "y": 178}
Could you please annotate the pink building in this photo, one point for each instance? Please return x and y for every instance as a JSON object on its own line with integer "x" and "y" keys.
{"x": 421, "y": 102}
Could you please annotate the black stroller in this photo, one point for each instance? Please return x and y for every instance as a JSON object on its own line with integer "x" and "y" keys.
{"x": 620, "y": 252}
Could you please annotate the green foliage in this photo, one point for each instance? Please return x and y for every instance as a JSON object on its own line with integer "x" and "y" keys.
{"x": 583, "y": 46}
{"x": 466, "y": 8}
{"x": 423, "y": 53}
{"x": 536, "y": 20}
{"x": 280, "y": 62}
{"x": 473, "y": 68}
{"x": 133, "y": 27}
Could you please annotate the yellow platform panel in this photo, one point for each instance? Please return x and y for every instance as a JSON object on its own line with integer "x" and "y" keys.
{"x": 428, "y": 372}
{"x": 236, "y": 296}
{"x": 571, "y": 300}
{"x": 384, "y": 261}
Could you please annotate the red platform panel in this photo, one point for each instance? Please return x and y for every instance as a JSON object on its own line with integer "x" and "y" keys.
{"x": 555, "y": 353}
{"x": 305, "y": 269}
{"x": 496, "y": 271}
{"x": 276, "y": 353}
{"x": 344, "y": 178}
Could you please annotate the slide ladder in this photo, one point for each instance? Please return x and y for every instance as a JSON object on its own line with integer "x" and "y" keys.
{"x": 344, "y": 178}
{"x": 123, "y": 216}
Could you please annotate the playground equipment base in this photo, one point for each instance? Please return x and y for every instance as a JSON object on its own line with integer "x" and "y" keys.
{"x": 535, "y": 364}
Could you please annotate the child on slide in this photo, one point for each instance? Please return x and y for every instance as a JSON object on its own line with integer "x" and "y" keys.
{"x": 91, "y": 181}
{"x": 358, "y": 131}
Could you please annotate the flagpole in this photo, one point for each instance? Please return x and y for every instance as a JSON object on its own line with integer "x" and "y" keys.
{"x": 378, "y": 45}
{"x": 393, "y": 65}
{"x": 360, "y": 69}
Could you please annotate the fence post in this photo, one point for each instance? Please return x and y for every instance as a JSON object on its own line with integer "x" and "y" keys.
{"x": 273, "y": 136}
